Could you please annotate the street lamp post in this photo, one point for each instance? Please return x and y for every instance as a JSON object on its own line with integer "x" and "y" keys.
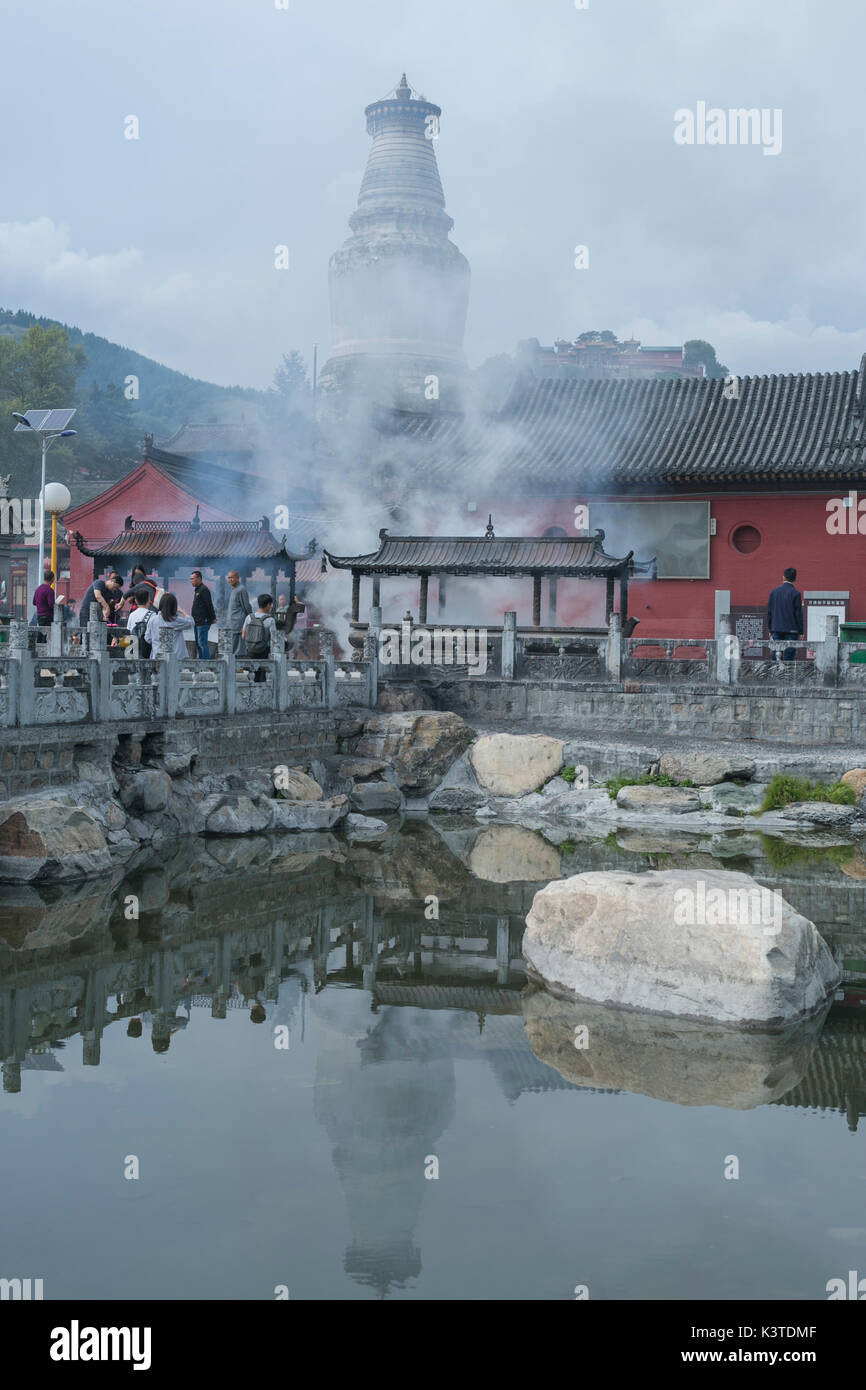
{"x": 48, "y": 425}
{"x": 57, "y": 499}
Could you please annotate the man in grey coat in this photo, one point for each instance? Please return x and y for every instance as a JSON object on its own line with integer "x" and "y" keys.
{"x": 239, "y": 609}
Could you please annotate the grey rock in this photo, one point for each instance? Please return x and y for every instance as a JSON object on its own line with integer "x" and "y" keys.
{"x": 728, "y": 796}
{"x": 457, "y": 799}
{"x": 361, "y": 769}
{"x": 649, "y": 798}
{"x": 43, "y": 839}
{"x": 823, "y": 813}
{"x": 238, "y": 816}
{"x": 376, "y": 796}
{"x": 419, "y": 746}
{"x": 365, "y": 828}
{"x": 309, "y": 815}
{"x": 705, "y": 769}
{"x": 704, "y": 944}
{"x": 146, "y": 790}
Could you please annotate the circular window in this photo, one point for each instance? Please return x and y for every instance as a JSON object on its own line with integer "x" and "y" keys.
{"x": 746, "y": 539}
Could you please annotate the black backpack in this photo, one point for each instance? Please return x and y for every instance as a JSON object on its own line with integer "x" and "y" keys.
{"x": 257, "y": 639}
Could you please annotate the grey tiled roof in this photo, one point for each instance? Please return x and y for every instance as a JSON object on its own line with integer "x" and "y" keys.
{"x": 502, "y": 555}
{"x": 630, "y": 434}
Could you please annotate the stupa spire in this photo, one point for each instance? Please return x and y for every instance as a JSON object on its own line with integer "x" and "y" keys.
{"x": 399, "y": 286}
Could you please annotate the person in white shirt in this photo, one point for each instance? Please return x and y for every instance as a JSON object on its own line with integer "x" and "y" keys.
{"x": 168, "y": 615}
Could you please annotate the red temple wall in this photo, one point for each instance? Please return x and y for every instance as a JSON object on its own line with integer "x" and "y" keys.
{"x": 793, "y": 531}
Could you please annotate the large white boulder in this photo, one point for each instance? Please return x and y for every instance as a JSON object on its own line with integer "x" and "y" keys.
{"x": 708, "y": 944}
{"x": 514, "y": 764}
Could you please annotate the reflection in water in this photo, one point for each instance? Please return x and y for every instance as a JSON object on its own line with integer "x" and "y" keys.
{"x": 284, "y": 933}
{"x": 670, "y": 1059}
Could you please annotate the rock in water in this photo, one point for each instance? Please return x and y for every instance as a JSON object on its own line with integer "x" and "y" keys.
{"x": 376, "y": 796}
{"x": 710, "y": 945}
{"x": 419, "y": 746}
{"x": 651, "y": 798}
{"x": 44, "y": 839}
{"x": 295, "y": 785}
{"x": 365, "y": 827}
{"x": 514, "y": 764}
{"x": 705, "y": 769}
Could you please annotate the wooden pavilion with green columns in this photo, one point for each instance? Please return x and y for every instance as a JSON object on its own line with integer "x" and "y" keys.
{"x": 536, "y": 557}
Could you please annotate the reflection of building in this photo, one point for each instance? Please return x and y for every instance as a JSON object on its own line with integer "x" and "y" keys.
{"x": 399, "y": 286}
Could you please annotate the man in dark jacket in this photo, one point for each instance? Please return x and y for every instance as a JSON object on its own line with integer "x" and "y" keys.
{"x": 785, "y": 612}
{"x": 202, "y": 614}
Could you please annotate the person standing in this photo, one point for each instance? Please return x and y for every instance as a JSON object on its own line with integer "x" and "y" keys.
{"x": 104, "y": 592}
{"x": 44, "y": 600}
{"x": 203, "y": 614}
{"x": 239, "y": 609}
{"x": 258, "y": 632}
{"x": 785, "y": 612}
{"x": 168, "y": 615}
{"x": 141, "y": 615}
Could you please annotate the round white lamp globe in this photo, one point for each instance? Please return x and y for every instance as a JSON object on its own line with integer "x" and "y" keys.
{"x": 57, "y": 497}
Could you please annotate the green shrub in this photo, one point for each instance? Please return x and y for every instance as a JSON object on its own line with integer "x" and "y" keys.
{"x": 783, "y": 790}
{"x": 568, "y": 774}
{"x": 567, "y": 847}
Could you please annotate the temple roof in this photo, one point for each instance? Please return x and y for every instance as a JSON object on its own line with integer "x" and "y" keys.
{"x": 193, "y": 540}
{"x": 578, "y": 556}
{"x": 193, "y": 441}
{"x": 600, "y": 434}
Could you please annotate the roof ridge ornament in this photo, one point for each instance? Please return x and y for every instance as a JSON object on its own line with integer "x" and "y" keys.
{"x": 490, "y": 533}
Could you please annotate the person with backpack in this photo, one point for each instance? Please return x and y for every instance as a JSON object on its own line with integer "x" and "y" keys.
{"x": 258, "y": 629}
{"x": 136, "y": 623}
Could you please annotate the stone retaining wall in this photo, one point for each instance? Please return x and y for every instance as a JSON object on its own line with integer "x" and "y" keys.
{"x": 810, "y": 717}
{"x": 34, "y": 758}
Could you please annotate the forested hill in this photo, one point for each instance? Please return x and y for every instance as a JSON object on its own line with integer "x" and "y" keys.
{"x": 120, "y": 395}
{"x": 166, "y": 398}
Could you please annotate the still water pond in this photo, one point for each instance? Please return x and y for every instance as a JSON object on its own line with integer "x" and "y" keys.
{"x": 288, "y": 1050}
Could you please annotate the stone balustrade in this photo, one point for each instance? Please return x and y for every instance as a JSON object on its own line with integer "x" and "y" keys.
{"x": 56, "y": 676}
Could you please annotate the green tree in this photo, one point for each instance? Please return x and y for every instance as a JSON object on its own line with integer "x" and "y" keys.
{"x": 698, "y": 352}
{"x": 290, "y": 378}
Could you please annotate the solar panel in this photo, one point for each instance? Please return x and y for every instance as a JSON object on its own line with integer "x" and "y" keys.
{"x": 46, "y": 420}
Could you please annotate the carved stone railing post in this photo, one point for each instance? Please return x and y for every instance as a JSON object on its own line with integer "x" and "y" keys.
{"x": 371, "y": 656}
{"x": 281, "y": 675}
{"x": 326, "y": 653}
{"x": 509, "y": 642}
{"x": 228, "y": 672}
{"x": 613, "y": 652}
{"x": 21, "y": 692}
{"x": 100, "y": 665}
{"x": 169, "y": 670}
{"x": 724, "y": 649}
{"x": 55, "y": 632}
{"x": 827, "y": 652}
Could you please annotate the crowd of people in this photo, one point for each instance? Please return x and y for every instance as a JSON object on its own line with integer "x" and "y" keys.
{"x": 142, "y": 610}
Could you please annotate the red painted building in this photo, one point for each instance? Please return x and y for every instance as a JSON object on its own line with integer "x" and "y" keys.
{"x": 725, "y": 485}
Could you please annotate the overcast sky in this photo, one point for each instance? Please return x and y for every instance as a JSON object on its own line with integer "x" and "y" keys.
{"x": 557, "y": 130}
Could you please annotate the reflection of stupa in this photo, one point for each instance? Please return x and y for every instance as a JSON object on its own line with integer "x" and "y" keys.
{"x": 383, "y": 1108}
{"x": 399, "y": 287}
